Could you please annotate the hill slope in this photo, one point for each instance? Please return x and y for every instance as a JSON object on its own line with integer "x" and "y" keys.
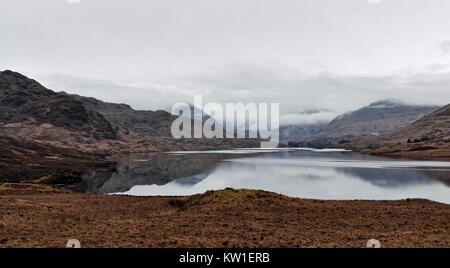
{"x": 238, "y": 218}
{"x": 152, "y": 123}
{"x": 368, "y": 123}
{"x": 427, "y": 137}
{"x": 377, "y": 119}
{"x": 29, "y": 111}
{"x": 55, "y": 137}
{"x": 24, "y": 103}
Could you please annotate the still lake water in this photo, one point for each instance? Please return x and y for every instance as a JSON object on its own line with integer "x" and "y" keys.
{"x": 305, "y": 173}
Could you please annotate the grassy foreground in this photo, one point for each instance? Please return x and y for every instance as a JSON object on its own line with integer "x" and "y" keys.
{"x": 41, "y": 216}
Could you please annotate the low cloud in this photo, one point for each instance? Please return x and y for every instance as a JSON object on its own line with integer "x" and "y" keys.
{"x": 445, "y": 46}
{"x": 325, "y": 94}
{"x": 306, "y": 118}
{"x": 141, "y": 97}
{"x": 322, "y": 91}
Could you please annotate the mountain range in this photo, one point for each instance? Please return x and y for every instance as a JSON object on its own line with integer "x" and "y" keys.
{"x": 55, "y": 137}
{"x": 39, "y": 127}
{"x": 29, "y": 111}
{"x": 407, "y": 131}
{"x": 375, "y": 120}
{"x": 428, "y": 137}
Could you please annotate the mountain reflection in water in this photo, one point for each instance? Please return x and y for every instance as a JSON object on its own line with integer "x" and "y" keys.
{"x": 318, "y": 174}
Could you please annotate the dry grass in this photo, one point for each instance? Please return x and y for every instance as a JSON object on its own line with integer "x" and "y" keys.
{"x": 41, "y": 216}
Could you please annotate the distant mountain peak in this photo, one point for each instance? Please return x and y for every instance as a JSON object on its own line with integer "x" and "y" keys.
{"x": 428, "y": 136}
{"x": 12, "y": 73}
{"x": 386, "y": 103}
{"x": 378, "y": 118}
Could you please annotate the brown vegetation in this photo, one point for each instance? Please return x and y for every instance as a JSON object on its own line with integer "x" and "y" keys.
{"x": 40, "y": 216}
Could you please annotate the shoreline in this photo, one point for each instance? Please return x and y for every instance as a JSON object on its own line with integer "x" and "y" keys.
{"x": 36, "y": 215}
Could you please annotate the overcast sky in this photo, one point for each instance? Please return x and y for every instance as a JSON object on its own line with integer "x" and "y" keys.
{"x": 326, "y": 55}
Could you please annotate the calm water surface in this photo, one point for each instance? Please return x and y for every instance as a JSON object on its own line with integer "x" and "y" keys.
{"x": 306, "y": 173}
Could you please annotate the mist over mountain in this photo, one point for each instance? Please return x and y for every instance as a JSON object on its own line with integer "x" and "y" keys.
{"x": 377, "y": 119}
{"x": 299, "y": 132}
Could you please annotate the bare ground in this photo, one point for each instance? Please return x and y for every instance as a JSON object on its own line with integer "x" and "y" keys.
{"x": 41, "y": 216}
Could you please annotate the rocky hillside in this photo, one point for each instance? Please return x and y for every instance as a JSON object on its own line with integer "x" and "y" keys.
{"x": 425, "y": 138}
{"x": 151, "y": 123}
{"x": 29, "y": 111}
{"x": 147, "y": 129}
{"x": 25, "y": 104}
{"x": 377, "y": 119}
{"x": 368, "y": 123}
{"x": 50, "y": 136}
